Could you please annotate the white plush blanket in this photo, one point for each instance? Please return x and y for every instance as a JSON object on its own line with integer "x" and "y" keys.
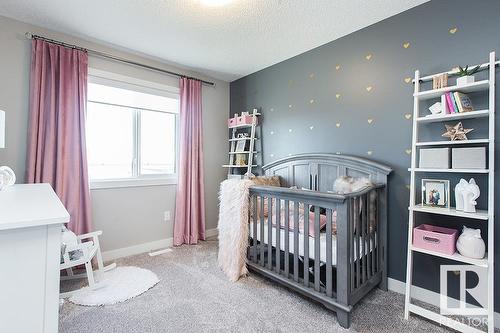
{"x": 233, "y": 227}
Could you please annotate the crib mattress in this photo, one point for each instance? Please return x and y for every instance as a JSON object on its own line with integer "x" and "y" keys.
{"x": 322, "y": 239}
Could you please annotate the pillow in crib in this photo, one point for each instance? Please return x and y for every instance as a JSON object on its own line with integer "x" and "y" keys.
{"x": 322, "y": 222}
{"x": 322, "y": 216}
{"x": 302, "y": 215}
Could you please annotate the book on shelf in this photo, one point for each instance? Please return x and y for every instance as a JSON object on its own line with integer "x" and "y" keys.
{"x": 463, "y": 101}
{"x": 443, "y": 104}
{"x": 449, "y": 102}
{"x": 455, "y": 104}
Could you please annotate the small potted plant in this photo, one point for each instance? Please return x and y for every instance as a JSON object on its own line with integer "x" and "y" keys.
{"x": 465, "y": 75}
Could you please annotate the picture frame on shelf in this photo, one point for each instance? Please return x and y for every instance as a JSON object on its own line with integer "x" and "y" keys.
{"x": 436, "y": 193}
{"x": 240, "y": 146}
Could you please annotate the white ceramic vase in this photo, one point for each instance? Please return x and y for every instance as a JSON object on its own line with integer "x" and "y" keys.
{"x": 470, "y": 193}
{"x": 466, "y": 194}
{"x": 470, "y": 244}
{"x": 459, "y": 196}
{"x": 464, "y": 80}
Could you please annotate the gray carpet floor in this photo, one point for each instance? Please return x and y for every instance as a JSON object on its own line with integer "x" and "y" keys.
{"x": 194, "y": 296}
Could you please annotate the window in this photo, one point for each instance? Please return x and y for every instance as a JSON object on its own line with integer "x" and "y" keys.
{"x": 131, "y": 133}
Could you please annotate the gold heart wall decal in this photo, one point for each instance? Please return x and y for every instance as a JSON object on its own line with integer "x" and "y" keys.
{"x": 337, "y": 67}
{"x": 370, "y": 120}
{"x": 406, "y": 45}
{"x": 369, "y": 152}
{"x": 408, "y": 151}
{"x": 337, "y": 124}
{"x": 311, "y": 101}
{"x": 368, "y": 56}
{"x": 453, "y": 30}
{"x": 337, "y": 96}
{"x": 408, "y": 116}
{"x": 407, "y": 79}
{"x": 369, "y": 88}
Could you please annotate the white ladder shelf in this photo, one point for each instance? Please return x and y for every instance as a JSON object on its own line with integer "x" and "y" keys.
{"x": 251, "y": 149}
{"x": 487, "y": 216}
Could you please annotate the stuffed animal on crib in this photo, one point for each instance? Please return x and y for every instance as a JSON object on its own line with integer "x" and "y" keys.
{"x": 347, "y": 184}
{"x": 466, "y": 194}
{"x": 470, "y": 244}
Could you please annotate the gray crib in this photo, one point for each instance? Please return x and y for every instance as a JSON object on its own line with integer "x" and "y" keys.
{"x": 335, "y": 270}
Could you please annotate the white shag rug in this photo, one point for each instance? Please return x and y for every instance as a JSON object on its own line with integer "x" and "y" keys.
{"x": 116, "y": 286}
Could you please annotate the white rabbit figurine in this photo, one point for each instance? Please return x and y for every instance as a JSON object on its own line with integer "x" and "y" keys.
{"x": 470, "y": 244}
{"x": 470, "y": 194}
{"x": 459, "y": 196}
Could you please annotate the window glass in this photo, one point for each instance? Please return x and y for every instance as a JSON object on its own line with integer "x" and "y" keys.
{"x": 130, "y": 134}
{"x": 157, "y": 142}
{"x": 130, "y": 98}
{"x": 110, "y": 141}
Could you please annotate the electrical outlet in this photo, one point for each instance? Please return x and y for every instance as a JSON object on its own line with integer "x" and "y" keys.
{"x": 166, "y": 216}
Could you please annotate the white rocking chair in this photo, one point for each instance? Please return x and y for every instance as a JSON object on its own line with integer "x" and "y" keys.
{"x": 87, "y": 247}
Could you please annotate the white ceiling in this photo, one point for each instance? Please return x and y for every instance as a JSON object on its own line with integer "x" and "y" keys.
{"x": 226, "y": 42}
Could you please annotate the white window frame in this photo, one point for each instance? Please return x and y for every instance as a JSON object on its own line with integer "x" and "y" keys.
{"x": 122, "y": 81}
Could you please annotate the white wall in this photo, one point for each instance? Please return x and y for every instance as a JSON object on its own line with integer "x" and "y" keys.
{"x": 128, "y": 216}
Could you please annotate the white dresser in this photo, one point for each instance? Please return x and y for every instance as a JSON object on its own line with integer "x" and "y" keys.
{"x": 30, "y": 241}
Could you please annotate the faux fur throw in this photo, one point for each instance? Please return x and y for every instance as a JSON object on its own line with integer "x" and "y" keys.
{"x": 233, "y": 227}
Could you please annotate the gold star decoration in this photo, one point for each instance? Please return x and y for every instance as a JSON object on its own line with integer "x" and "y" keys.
{"x": 457, "y": 132}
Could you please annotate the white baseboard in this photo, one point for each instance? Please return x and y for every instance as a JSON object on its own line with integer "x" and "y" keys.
{"x": 137, "y": 249}
{"x": 211, "y": 232}
{"x": 146, "y": 247}
{"x": 424, "y": 295}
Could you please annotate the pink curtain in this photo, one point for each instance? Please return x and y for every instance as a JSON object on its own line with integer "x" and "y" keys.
{"x": 189, "y": 224}
{"x": 56, "y": 151}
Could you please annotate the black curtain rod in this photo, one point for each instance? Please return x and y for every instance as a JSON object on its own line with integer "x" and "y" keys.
{"x": 115, "y": 58}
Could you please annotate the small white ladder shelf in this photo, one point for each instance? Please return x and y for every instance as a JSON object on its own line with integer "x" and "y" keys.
{"x": 486, "y": 215}
{"x": 251, "y": 146}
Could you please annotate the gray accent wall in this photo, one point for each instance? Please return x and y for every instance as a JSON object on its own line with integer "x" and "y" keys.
{"x": 131, "y": 216}
{"x": 354, "y": 96}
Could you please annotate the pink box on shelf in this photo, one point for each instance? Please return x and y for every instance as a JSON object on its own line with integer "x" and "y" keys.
{"x": 231, "y": 122}
{"x": 245, "y": 120}
{"x": 434, "y": 238}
